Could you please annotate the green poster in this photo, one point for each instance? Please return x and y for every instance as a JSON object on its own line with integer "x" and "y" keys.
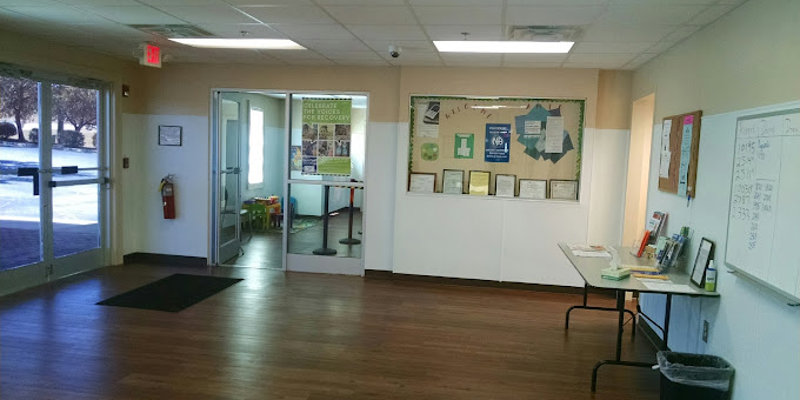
{"x": 326, "y": 136}
{"x": 464, "y": 145}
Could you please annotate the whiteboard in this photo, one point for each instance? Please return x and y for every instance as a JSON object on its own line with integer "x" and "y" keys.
{"x": 764, "y": 212}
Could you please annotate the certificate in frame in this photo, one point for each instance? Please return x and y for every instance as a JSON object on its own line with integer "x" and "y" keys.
{"x": 170, "y": 135}
{"x": 505, "y": 185}
{"x": 453, "y": 181}
{"x": 535, "y": 189}
{"x": 563, "y": 189}
{"x": 421, "y": 182}
{"x": 479, "y": 183}
{"x": 704, "y": 253}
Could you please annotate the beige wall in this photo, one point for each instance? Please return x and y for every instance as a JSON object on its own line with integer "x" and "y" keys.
{"x": 748, "y": 58}
{"x": 184, "y": 89}
{"x": 614, "y": 99}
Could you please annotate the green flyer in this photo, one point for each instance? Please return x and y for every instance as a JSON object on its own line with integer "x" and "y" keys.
{"x": 464, "y": 145}
{"x": 326, "y": 136}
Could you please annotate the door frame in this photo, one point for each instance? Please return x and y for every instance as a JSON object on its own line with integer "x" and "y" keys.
{"x": 339, "y": 264}
{"x": 51, "y": 267}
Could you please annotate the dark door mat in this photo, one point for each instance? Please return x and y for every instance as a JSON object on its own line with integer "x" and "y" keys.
{"x": 173, "y": 293}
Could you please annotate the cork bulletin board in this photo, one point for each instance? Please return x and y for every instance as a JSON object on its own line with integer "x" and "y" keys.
{"x": 529, "y": 138}
{"x": 680, "y": 144}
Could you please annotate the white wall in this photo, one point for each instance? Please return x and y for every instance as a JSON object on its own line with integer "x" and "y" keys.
{"x": 510, "y": 239}
{"x": 751, "y": 328}
{"x": 146, "y": 229}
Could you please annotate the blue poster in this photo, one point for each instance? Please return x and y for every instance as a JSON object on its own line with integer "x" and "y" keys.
{"x": 498, "y": 138}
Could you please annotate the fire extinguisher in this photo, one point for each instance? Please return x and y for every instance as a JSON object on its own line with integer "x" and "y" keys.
{"x": 167, "y": 189}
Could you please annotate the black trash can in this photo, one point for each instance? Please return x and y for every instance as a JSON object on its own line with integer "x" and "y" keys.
{"x": 686, "y": 376}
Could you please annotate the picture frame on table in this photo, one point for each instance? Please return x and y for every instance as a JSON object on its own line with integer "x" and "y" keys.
{"x": 705, "y": 253}
{"x": 453, "y": 181}
{"x": 170, "y": 135}
{"x": 505, "y": 185}
{"x": 563, "y": 189}
{"x": 421, "y": 182}
{"x": 479, "y": 182}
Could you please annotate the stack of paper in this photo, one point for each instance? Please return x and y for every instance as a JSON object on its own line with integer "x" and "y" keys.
{"x": 583, "y": 250}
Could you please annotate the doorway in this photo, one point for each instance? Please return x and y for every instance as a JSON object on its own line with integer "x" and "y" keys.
{"x": 638, "y": 169}
{"x": 53, "y": 179}
{"x": 288, "y": 187}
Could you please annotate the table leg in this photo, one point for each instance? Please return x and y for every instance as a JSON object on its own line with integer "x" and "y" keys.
{"x": 587, "y": 307}
{"x": 667, "y": 313}
{"x": 618, "y": 359}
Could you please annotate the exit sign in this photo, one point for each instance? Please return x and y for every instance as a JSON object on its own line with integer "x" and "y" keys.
{"x": 151, "y": 56}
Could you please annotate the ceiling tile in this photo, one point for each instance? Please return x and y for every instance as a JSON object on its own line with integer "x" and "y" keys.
{"x": 361, "y": 2}
{"x": 557, "y": 2}
{"x": 97, "y": 2}
{"x": 216, "y": 14}
{"x": 388, "y": 32}
{"x": 626, "y": 33}
{"x": 600, "y": 58}
{"x": 348, "y": 45}
{"x": 454, "y": 32}
{"x": 515, "y": 64}
{"x": 681, "y": 33}
{"x": 269, "y": 2}
{"x": 59, "y": 14}
{"x": 517, "y": 59}
{"x": 254, "y": 30}
{"x": 650, "y": 14}
{"x": 661, "y": 46}
{"x": 496, "y": 3}
{"x": 313, "y": 31}
{"x": 523, "y": 15}
{"x": 184, "y": 2}
{"x": 610, "y": 47}
{"x": 352, "y": 55}
{"x": 661, "y": 2}
{"x": 462, "y": 15}
{"x": 639, "y": 60}
{"x": 472, "y": 60}
{"x": 133, "y": 14}
{"x": 30, "y": 3}
{"x": 289, "y": 14}
{"x": 710, "y": 14}
{"x": 384, "y": 15}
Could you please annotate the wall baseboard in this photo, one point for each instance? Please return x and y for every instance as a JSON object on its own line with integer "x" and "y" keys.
{"x": 164, "y": 259}
{"x": 650, "y": 334}
{"x": 389, "y": 275}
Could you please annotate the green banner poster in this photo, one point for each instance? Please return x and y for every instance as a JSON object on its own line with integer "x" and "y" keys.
{"x": 326, "y": 136}
{"x": 464, "y": 145}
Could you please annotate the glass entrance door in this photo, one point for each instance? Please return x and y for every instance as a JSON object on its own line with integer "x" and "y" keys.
{"x": 54, "y": 175}
{"x": 229, "y": 228}
{"x": 326, "y": 183}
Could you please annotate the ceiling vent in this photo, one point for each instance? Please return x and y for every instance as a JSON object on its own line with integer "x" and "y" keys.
{"x": 544, "y": 33}
{"x": 174, "y": 31}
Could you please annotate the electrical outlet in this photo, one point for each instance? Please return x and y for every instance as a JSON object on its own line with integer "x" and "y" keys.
{"x": 705, "y": 331}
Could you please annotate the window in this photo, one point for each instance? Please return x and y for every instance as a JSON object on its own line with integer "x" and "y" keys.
{"x": 255, "y": 149}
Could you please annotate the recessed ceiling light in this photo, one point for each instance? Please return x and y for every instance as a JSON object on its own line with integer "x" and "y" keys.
{"x": 220, "y": 43}
{"x": 473, "y": 46}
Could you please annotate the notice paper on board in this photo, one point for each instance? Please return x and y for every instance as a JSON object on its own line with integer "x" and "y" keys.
{"x": 666, "y": 154}
{"x": 554, "y": 135}
{"x": 686, "y": 154}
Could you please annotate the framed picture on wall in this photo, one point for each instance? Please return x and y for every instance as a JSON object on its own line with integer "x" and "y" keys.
{"x": 421, "y": 182}
{"x": 535, "y": 189}
{"x": 170, "y": 135}
{"x": 704, "y": 254}
{"x": 453, "y": 181}
{"x": 563, "y": 189}
{"x": 505, "y": 185}
{"x": 479, "y": 183}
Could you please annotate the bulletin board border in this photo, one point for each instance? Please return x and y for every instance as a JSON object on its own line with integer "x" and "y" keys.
{"x": 412, "y": 118}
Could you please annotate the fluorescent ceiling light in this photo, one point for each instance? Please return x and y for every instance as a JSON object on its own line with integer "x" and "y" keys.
{"x": 220, "y": 43}
{"x": 471, "y": 46}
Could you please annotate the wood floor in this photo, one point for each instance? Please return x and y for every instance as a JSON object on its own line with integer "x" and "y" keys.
{"x": 282, "y": 335}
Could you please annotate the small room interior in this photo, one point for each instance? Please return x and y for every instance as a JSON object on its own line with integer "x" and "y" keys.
{"x": 500, "y": 224}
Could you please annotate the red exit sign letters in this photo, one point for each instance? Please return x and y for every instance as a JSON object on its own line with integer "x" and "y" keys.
{"x": 151, "y": 56}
